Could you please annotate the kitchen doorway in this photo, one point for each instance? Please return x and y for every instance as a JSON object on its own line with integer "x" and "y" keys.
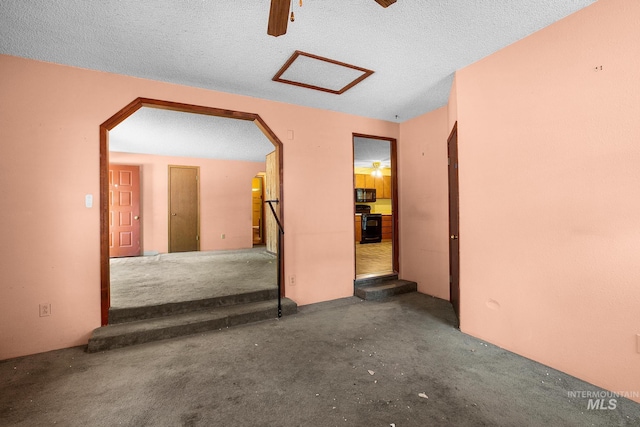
{"x": 375, "y": 206}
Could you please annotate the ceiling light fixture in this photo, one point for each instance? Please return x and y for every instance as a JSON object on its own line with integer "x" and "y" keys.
{"x": 377, "y": 170}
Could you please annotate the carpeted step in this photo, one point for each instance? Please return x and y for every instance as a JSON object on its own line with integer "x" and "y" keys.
{"x": 160, "y": 328}
{"x": 358, "y": 283}
{"x": 385, "y": 289}
{"x": 131, "y": 314}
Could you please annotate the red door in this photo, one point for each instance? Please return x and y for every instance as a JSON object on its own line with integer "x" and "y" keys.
{"x": 124, "y": 210}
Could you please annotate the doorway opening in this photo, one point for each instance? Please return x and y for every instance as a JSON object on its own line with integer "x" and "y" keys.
{"x": 126, "y": 112}
{"x": 375, "y": 206}
{"x": 257, "y": 209}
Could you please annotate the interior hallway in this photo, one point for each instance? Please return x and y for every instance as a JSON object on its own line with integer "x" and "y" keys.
{"x": 346, "y": 362}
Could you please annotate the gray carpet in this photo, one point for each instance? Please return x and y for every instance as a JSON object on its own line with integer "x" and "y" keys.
{"x": 176, "y": 277}
{"x": 399, "y": 362}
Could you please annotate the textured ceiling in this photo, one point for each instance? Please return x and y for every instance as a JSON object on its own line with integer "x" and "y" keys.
{"x": 413, "y": 46}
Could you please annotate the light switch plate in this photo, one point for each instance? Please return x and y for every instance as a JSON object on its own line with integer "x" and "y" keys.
{"x": 88, "y": 200}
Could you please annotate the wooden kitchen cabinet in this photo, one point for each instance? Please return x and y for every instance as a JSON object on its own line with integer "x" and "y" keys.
{"x": 387, "y": 227}
{"x": 358, "y": 227}
{"x": 381, "y": 184}
{"x": 387, "y": 190}
{"x": 369, "y": 181}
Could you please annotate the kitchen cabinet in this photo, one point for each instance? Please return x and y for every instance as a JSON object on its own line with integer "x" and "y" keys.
{"x": 387, "y": 227}
{"x": 358, "y": 227}
{"x": 369, "y": 181}
{"x": 387, "y": 190}
{"x": 381, "y": 184}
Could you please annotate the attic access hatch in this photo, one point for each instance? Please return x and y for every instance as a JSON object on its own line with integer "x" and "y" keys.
{"x": 319, "y": 73}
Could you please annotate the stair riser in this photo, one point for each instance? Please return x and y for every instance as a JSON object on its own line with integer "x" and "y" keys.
{"x": 374, "y": 280}
{"x": 372, "y": 294}
{"x": 156, "y": 335}
{"x": 123, "y": 315}
{"x": 103, "y": 344}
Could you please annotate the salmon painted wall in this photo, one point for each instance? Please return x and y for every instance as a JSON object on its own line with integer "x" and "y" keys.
{"x": 550, "y": 195}
{"x": 423, "y": 202}
{"x": 49, "y": 161}
{"x": 225, "y": 200}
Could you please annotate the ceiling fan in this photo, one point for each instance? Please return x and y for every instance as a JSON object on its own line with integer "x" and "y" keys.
{"x": 279, "y": 15}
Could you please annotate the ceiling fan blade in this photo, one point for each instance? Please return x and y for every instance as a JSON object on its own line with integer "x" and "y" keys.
{"x": 278, "y": 17}
{"x": 385, "y": 3}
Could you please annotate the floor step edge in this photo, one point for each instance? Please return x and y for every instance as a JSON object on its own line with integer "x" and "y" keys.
{"x": 386, "y": 289}
{"x": 130, "y": 314}
{"x": 161, "y": 328}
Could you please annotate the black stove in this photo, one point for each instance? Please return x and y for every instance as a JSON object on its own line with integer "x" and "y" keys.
{"x": 371, "y": 225}
{"x": 362, "y": 209}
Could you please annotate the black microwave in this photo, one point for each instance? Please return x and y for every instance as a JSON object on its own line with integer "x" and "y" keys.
{"x": 365, "y": 195}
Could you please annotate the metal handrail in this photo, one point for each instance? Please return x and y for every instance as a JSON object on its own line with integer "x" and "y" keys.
{"x": 280, "y": 233}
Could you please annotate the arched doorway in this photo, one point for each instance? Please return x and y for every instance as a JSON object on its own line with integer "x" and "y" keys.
{"x": 120, "y": 116}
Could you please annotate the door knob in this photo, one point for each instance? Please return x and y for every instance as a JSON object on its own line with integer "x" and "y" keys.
{"x": 454, "y": 237}
{"x": 136, "y": 217}
{"x": 173, "y": 214}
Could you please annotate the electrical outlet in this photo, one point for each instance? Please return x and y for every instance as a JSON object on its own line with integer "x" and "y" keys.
{"x": 292, "y": 280}
{"x": 222, "y": 236}
{"x": 45, "y": 310}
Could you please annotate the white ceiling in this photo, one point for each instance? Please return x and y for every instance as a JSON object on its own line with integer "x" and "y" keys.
{"x": 174, "y": 133}
{"x": 413, "y": 46}
{"x": 368, "y": 150}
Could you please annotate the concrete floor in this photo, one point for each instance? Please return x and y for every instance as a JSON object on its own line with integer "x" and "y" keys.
{"x": 399, "y": 362}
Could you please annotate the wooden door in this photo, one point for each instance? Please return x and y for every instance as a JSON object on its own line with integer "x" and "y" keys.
{"x": 257, "y": 197}
{"x": 272, "y": 187}
{"x": 124, "y": 210}
{"x": 184, "y": 222}
{"x": 454, "y": 226}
